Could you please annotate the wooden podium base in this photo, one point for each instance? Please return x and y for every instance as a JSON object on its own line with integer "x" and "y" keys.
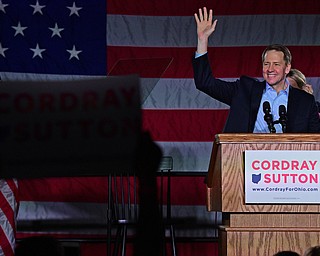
{"x": 256, "y": 234}
{"x": 258, "y": 229}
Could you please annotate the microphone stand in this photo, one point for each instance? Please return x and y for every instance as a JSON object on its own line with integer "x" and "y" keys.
{"x": 283, "y": 118}
{"x": 283, "y": 122}
{"x": 268, "y": 117}
{"x": 269, "y": 121}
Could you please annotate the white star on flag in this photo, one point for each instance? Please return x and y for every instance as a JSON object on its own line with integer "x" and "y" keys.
{"x": 74, "y": 9}
{"x": 19, "y": 29}
{"x": 37, "y": 51}
{"x": 56, "y": 30}
{"x": 2, "y": 50}
{"x": 59, "y": 34}
{"x": 74, "y": 53}
{"x": 37, "y": 8}
{"x": 2, "y": 6}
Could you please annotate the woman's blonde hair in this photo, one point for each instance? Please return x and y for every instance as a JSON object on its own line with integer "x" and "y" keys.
{"x": 297, "y": 76}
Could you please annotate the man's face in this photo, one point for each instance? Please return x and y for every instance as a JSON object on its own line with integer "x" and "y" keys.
{"x": 274, "y": 68}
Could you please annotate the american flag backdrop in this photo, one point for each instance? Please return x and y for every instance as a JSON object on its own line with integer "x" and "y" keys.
{"x": 72, "y": 39}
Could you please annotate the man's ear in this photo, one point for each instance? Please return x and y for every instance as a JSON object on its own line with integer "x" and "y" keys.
{"x": 288, "y": 68}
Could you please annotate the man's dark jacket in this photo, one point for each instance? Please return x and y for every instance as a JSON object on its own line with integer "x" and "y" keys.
{"x": 244, "y": 96}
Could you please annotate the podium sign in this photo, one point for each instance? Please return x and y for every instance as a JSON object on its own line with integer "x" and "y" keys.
{"x": 282, "y": 176}
{"x": 70, "y": 128}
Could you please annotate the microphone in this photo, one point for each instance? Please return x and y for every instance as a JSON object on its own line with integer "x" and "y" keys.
{"x": 268, "y": 117}
{"x": 283, "y": 117}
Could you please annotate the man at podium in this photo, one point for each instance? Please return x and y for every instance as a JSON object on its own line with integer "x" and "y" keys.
{"x": 269, "y": 106}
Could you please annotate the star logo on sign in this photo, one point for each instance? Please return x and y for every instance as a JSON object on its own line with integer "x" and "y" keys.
{"x": 37, "y": 51}
{"x": 74, "y": 53}
{"x": 74, "y": 9}
{"x": 2, "y": 6}
{"x": 56, "y": 30}
{"x": 37, "y": 8}
{"x": 2, "y": 50}
{"x": 19, "y": 29}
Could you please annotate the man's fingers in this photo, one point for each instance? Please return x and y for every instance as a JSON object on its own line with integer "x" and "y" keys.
{"x": 205, "y": 13}
{"x": 196, "y": 18}
{"x": 205, "y": 16}
{"x": 200, "y": 15}
{"x": 210, "y": 15}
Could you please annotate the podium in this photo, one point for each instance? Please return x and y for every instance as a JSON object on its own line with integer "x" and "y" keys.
{"x": 258, "y": 229}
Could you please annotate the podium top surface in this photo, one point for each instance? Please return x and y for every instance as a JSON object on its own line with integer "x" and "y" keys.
{"x": 224, "y": 138}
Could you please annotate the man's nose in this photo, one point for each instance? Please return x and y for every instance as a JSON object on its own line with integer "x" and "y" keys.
{"x": 271, "y": 68}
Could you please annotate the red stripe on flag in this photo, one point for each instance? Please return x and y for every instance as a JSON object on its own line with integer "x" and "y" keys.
{"x": 7, "y": 210}
{"x": 147, "y": 68}
{"x": 196, "y": 247}
{"x": 187, "y": 8}
{"x": 188, "y": 190}
{"x": 4, "y": 234}
{"x": 184, "y": 125}
{"x": 4, "y": 244}
{"x": 227, "y": 62}
{"x": 14, "y": 188}
{"x": 75, "y": 189}
{"x": 180, "y": 66}
{"x": 183, "y": 189}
